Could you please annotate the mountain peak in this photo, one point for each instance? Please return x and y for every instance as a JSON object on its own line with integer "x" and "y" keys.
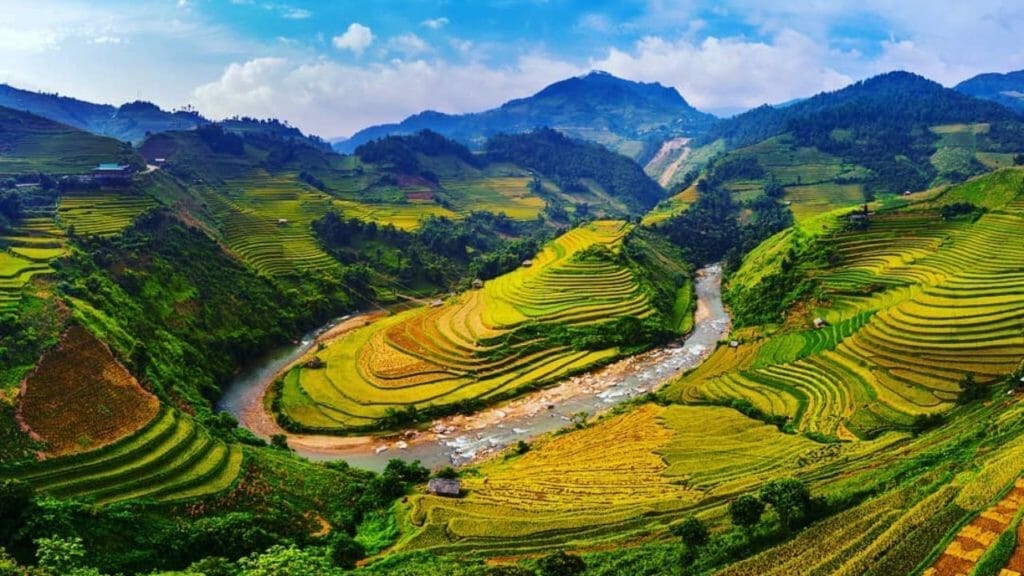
{"x": 624, "y": 115}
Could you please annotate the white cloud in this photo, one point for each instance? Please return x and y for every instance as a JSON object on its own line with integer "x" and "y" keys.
{"x": 108, "y": 40}
{"x": 729, "y": 73}
{"x": 332, "y": 99}
{"x": 295, "y": 13}
{"x": 408, "y": 44}
{"x": 28, "y": 40}
{"x": 183, "y": 3}
{"x": 435, "y": 23}
{"x": 357, "y": 38}
{"x": 595, "y": 22}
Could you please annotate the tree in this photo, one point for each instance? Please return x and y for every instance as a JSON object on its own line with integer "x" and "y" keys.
{"x": 279, "y": 560}
{"x": 790, "y": 498}
{"x": 970, "y": 390}
{"x": 8, "y": 566}
{"x": 213, "y": 566}
{"x": 345, "y": 551}
{"x": 448, "y": 473}
{"x": 691, "y": 531}
{"x": 746, "y": 510}
{"x": 561, "y": 564}
{"x": 63, "y": 556}
{"x": 510, "y": 570}
{"x": 412, "y": 473}
{"x": 16, "y": 501}
{"x": 1018, "y": 160}
{"x": 279, "y": 441}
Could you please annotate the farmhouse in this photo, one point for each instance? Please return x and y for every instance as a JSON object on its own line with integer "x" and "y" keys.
{"x": 445, "y": 487}
{"x": 112, "y": 172}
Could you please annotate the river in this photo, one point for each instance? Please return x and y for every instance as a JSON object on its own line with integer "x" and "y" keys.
{"x": 458, "y": 440}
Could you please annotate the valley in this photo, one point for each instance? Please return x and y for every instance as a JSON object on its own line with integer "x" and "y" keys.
{"x": 590, "y": 331}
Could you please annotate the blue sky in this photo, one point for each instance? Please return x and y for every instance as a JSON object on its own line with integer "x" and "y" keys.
{"x": 332, "y": 67}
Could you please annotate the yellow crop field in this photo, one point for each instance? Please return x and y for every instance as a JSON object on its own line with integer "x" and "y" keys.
{"x": 468, "y": 349}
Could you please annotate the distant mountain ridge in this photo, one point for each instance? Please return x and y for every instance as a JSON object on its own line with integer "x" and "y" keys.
{"x": 128, "y": 122}
{"x": 628, "y": 117}
{"x": 1006, "y": 89}
{"x": 901, "y": 97}
{"x": 134, "y": 121}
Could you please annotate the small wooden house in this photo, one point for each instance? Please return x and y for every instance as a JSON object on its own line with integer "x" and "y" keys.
{"x": 820, "y": 323}
{"x": 527, "y": 263}
{"x": 315, "y": 363}
{"x": 282, "y": 221}
{"x": 478, "y": 284}
{"x": 445, "y": 487}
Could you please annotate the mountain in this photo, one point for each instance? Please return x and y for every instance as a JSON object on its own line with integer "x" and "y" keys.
{"x": 1006, "y": 89}
{"x": 32, "y": 144}
{"x": 129, "y": 122}
{"x": 890, "y": 133}
{"x": 628, "y": 117}
{"x": 274, "y": 129}
{"x": 899, "y": 99}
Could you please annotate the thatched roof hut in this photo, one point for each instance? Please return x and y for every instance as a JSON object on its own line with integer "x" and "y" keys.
{"x": 445, "y": 487}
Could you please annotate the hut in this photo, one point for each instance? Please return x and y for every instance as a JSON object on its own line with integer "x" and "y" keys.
{"x": 315, "y": 363}
{"x": 478, "y": 284}
{"x": 445, "y": 487}
{"x": 112, "y": 173}
{"x": 282, "y": 221}
{"x": 820, "y": 323}
{"x": 527, "y": 263}
{"x": 437, "y": 303}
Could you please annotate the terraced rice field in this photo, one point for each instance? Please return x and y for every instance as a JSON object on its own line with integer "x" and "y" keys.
{"x": 619, "y": 475}
{"x": 510, "y": 195}
{"x": 101, "y": 214}
{"x": 81, "y": 371}
{"x": 472, "y": 347}
{"x": 170, "y": 459}
{"x": 403, "y": 216}
{"x": 251, "y": 211}
{"x": 33, "y": 243}
{"x": 944, "y": 298}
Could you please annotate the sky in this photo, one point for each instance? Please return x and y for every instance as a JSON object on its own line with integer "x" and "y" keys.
{"x": 334, "y": 67}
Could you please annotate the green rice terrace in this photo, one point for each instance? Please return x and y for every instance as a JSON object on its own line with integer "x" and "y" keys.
{"x": 917, "y": 302}
{"x": 479, "y": 346}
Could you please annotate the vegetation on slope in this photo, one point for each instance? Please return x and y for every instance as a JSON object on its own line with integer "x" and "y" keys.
{"x": 81, "y": 372}
{"x": 571, "y": 163}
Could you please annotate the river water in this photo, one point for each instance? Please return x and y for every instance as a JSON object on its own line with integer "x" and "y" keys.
{"x": 462, "y": 439}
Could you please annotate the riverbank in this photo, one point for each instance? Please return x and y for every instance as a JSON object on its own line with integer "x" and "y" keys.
{"x": 461, "y": 439}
